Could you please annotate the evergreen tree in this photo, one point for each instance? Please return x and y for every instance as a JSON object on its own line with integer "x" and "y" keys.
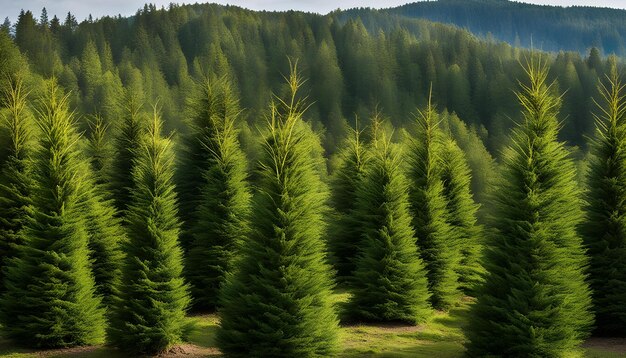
{"x": 604, "y": 227}
{"x": 149, "y": 309}
{"x": 99, "y": 149}
{"x": 222, "y": 216}
{"x": 535, "y": 302}
{"x": 435, "y": 239}
{"x": 49, "y": 299}
{"x": 215, "y": 108}
{"x": 456, "y": 177}
{"x": 390, "y": 279}
{"x": 15, "y": 179}
{"x": 343, "y": 244}
{"x": 278, "y": 302}
{"x": 125, "y": 145}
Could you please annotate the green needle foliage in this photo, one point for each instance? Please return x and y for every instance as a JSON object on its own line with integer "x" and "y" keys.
{"x": 604, "y": 228}
{"x": 214, "y": 109}
{"x": 221, "y": 220}
{"x": 49, "y": 299}
{"x": 99, "y": 149}
{"x": 15, "y": 178}
{"x": 390, "y": 278}
{"x": 462, "y": 212}
{"x": 125, "y": 146}
{"x": 149, "y": 310}
{"x": 346, "y": 231}
{"x": 278, "y": 302}
{"x": 535, "y": 302}
{"x": 435, "y": 239}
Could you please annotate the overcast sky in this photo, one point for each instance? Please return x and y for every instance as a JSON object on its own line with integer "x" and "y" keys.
{"x": 98, "y": 8}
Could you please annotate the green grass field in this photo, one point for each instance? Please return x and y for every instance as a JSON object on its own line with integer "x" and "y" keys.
{"x": 441, "y": 337}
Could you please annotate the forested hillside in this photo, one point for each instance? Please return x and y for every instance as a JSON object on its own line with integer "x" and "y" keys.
{"x": 550, "y": 28}
{"x": 352, "y": 66}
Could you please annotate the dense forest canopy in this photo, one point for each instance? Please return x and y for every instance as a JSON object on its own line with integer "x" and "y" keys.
{"x": 354, "y": 62}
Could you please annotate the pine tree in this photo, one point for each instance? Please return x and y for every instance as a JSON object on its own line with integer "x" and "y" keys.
{"x": 125, "y": 145}
{"x": 278, "y": 302}
{"x": 535, "y": 302}
{"x": 604, "y": 227}
{"x": 50, "y": 299}
{"x": 99, "y": 149}
{"x": 149, "y": 309}
{"x": 462, "y": 212}
{"x": 343, "y": 244}
{"x": 435, "y": 239}
{"x": 15, "y": 177}
{"x": 222, "y": 217}
{"x": 216, "y": 102}
{"x": 390, "y": 278}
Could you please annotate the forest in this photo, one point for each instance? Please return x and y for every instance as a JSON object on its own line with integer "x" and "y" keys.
{"x": 207, "y": 180}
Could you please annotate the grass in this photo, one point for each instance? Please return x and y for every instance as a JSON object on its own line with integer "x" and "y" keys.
{"x": 441, "y": 337}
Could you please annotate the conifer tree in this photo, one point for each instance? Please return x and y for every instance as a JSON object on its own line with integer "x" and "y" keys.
{"x": 49, "y": 299}
{"x": 435, "y": 238}
{"x": 462, "y": 213}
{"x": 222, "y": 217}
{"x": 15, "y": 177}
{"x": 99, "y": 149}
{"x": 278, "y": 302}
{"x": 346, "y": 231}
{"x": 389, "y": 281}
{"x": 534, "y": 302}
{"x": 149, "y": 309}
{"x": 215, "y": 108}
{"x": 125, "y": 145}
{"x": 604, "y": 227}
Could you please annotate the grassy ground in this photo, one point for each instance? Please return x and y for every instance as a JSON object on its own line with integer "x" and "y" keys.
{"x": 441, "y": 337}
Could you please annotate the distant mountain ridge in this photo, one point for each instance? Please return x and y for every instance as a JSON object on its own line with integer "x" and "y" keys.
{"x": 550, "y": 28}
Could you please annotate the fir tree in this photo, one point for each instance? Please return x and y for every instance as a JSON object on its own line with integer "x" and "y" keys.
{"x": 50, "y": 299}
{"x": 149, "y": 310}
{"x": 604, "y": 228}
{"x": 15, "y": 177}
{"x": 343, "y": 244}
{"x": 278, "y": 302}
{"x": 125, "y": 145}
{"x": 435, "y": 238}
{"x": 221, "y": 220}
{"x": 390, "y": 279}
{"x": 99, "y": 149}
{"x": 535, "y": 302}
{"x": 462, "y": 212}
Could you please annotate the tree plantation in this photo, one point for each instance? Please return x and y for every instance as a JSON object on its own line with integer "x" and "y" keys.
{"x": 206, "y": 180}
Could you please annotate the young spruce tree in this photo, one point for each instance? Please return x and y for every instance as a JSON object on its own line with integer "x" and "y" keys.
{"x": 149, "y": 310}
{"x": 15, "y": 177}
{"x": 389, "y": 282}
{"x": 462, "y": 214}
{"x": 221, "y": 220}
{"x": 49, "y": 299}
{"x": 604, "y": 227}
{"x": 534, "y": 302}
{"x": 435, "y": 238}
{"x": 125, "y": 147}
{"x": 346, "y": 231}
{"x": 278, "y": 302}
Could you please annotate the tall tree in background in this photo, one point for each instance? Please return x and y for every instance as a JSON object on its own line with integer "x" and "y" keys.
{"x": 604, "y": 227}
{"x": 389, "y": 280}
{"x": 221, "y": 220}
{"x": 435, "y": 238}
{"x": 345, "y": 229}
{"x": 149, "y": 310}
{"x": 126, "y": 143}
{"x": 278, "y": 302}
{"x": 216, "y": 102}
{"x": 15, "y": 178}
{"x": 535, "y": 301}
{"x": 462, "y": 214}
{"x": 49, "y": 299}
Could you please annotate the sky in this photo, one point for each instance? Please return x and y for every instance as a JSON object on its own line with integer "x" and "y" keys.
{"x": 82, "y": 8}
